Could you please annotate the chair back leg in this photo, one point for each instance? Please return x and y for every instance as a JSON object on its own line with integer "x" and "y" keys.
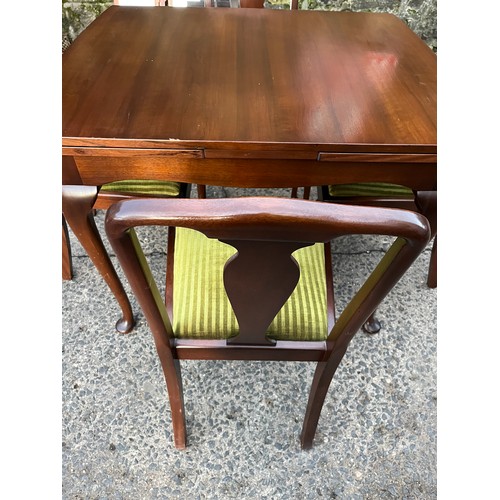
{"x": 432, "y": 275}
{"x": 67, "y": 261}
{"x": 202, "y": 190}
{"x": 319, "y": 389}
{"x": 427, "y": 204}
{"x": 172, "y": 371}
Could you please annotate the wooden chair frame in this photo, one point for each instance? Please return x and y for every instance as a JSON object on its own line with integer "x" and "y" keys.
{"x": 261, "y": 224}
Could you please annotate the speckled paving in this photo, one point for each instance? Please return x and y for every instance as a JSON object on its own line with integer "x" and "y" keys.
{"x": 376, "y": 436}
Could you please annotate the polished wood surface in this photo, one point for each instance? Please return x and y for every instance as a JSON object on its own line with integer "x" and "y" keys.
{"x": 166, "y": 77}
{"x": 245, "y": 98}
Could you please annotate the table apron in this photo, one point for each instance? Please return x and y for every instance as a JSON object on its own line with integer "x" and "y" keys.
{"x": 254, "y": 173}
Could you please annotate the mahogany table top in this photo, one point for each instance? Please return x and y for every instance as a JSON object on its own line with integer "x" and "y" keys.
{"x": 249, "y": 79}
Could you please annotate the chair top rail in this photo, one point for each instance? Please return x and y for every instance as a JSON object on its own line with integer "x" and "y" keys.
{"x": 268, "y": 218}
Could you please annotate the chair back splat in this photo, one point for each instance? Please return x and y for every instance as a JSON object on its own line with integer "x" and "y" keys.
{"x": 251, "y": 278}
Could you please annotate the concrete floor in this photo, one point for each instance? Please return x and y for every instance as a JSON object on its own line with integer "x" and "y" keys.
{"x": 376, "y": 437}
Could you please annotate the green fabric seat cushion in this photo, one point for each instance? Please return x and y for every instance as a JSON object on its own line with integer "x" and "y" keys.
{"x": 201, "y": 308}
{"x": 375, "y": 189}
{"x": 165, "y": 189}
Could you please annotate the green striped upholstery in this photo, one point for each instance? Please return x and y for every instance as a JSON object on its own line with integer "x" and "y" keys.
{"x": 375, "y": 189}
{"x": 201, "y": 308}
{"x": 164, "y": 189}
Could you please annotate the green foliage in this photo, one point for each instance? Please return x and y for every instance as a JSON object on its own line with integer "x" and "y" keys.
{"x": 76, "y": 16}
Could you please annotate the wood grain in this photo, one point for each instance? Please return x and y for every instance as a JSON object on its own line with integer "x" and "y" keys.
{"x": 250, "y": 76}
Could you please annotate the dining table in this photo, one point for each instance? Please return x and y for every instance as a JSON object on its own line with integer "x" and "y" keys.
{"x": 247, "y": 98}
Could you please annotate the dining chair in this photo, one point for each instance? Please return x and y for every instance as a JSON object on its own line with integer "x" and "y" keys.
{"x": 121, "y": 190}
{"x": 251, "y": 279}
{"x": 380, "y": 194}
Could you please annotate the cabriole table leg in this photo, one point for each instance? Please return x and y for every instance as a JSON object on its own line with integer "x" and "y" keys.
{"x": 77, "y": 203}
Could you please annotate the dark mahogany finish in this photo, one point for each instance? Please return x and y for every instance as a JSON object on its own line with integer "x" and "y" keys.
{"x": 360, "y": 80}
{"x": 265, "y": 231}
{"x": 246, "y": 98}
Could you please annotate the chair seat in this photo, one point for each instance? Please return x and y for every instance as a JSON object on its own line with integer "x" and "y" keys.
{"x": 161, "y": 189}
{"x": 375, "y": 189}
{"x": 201, "y": 308}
